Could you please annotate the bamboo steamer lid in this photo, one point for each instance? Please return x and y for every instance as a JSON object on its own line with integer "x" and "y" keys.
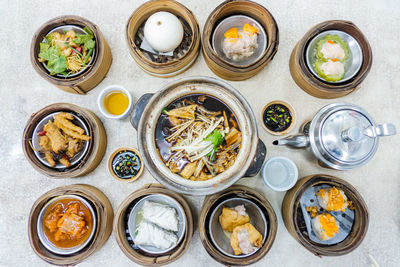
{"x": 122, "y": 236}
{"x": 225, "y": 69}
{"x": 184, "y": 55}
{"x": 90, "y": 78}
{"x": 210, "y": 202}
{"x": 103, "y": 210}
{"x": 295, "y": 224}
{"x": 94, "y": 154}
{"x": 314, "y": 86}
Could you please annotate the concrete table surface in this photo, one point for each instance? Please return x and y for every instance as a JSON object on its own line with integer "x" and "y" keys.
{"x": 24, "y": 92}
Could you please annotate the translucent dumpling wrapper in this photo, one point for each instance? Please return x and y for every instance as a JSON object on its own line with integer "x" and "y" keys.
{"x": 162, "y": 215}
{"x": 231, "y": 218}
{"x": 331, "y": 70}
{"x": 148, "y": 234}
{"x": 245, "y": 239}
{"x": 332, "y": 47}
{"x": 325, "y": 226}
{"x": 332, "y": 199}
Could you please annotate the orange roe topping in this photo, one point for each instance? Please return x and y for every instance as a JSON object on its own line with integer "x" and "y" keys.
{"x": 232, "y": 33}
{"x": 328, "y": 224}
{"x": 331, "y": 42}
{"x": 313, "y": 210}
{"x": 334, "y": 59}
{"x": 247, "y": 28}
{"x": 336, "y": 201}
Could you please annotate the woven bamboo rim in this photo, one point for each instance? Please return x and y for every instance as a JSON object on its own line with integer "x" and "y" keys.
{"x": 210, "y": 202}
{"x": 184, "y": 56}
{"x": 294, "y": 221}
{"x": 104, "y": 215}
{"x": 314, "y": 86}
{"x": 91, "y": 77}
{"x": 229, "y": 71}
{"x": 97, "y": 144}
{"x": 110, "y": 162}
{"x": 121, "y": 232}
{"x": 291, "y": 110}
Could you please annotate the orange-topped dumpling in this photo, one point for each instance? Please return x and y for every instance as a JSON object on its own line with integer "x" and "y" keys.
{"x": 332, "y": 199}
{"x": 240, "y": 44}
{"x": 325, "y": 226}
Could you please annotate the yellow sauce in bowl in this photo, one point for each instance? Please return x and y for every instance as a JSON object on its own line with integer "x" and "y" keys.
{"x": 116, "y": 102}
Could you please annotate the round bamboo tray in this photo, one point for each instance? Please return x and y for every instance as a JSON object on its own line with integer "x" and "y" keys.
{"x": 295, "y": 224}
{"x": 104, "y": 213}
{"x": 122, "y": 234}
{"x": 184, "y": 55}
{"x": 225, "y": 69}
{"x": 93, "y": 75}
{"x": 94, "y": 154}
{"x": 210, "y": 202}
{"x": 314, "y": 86}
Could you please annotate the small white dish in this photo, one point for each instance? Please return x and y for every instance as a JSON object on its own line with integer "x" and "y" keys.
{"x": 279, "y": 173}
{"x": 108, "y": 90}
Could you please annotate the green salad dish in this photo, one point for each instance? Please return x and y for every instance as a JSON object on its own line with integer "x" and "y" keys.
{"x": 67, "y": 51}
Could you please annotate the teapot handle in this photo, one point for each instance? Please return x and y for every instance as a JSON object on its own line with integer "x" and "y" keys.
{"x": 258, "y": 160}
{"x": 385, "y": 129}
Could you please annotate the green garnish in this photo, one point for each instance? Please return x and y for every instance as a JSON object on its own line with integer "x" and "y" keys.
{"x": 164, "y": 111}
{"x": 56, "y": 63}
{"x": 85, "y": 39}
{"x": 216, "y": 138}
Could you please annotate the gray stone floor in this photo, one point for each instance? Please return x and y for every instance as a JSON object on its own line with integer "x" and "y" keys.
{"x": 24, "y": 92}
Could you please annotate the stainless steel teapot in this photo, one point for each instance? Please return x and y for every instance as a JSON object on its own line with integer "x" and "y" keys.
{"x": 342, "y": 136}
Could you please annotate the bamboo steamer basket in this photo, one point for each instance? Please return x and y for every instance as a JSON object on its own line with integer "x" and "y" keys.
{"x": 90, "y": 78}
{"x": 225, "y": 69}
{"x": 184, "y": 55}
{"x": 94, "y": 154}
{"x": 104, "y": 215}
{"x": 295, "y": 224}
{"x": 314, "y": 86}
{"x": 210, "y": 202}
{"x": 124, "y": 241}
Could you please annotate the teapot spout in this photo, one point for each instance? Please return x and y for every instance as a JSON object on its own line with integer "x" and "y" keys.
{"x": 296, "y": 141}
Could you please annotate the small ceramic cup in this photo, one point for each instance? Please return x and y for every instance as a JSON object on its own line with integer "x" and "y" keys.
{"x": 279, "y": 173}
{"x": 108, "y": 90}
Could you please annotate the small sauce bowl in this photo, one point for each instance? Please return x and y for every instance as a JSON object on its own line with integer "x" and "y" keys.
{"x": 114, "y": 89}
{"x": 113, "y": 163}
{"x": 280, "y": 173}
{"x": 292, "y": 114}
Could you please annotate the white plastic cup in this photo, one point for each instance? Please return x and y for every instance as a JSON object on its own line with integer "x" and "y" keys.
{"x": 105, "y": 92}
{"x": 279, "y": 173}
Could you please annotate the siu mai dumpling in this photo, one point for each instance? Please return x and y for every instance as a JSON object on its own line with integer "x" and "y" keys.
{"x": 148, "y": 234}
{"x": 231, "y": 218}
{"x": 245, "y": 239}
{"x": 325, "y": 226}
{"x": 332, "y": 199}
{"x": 162, "y": 215}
